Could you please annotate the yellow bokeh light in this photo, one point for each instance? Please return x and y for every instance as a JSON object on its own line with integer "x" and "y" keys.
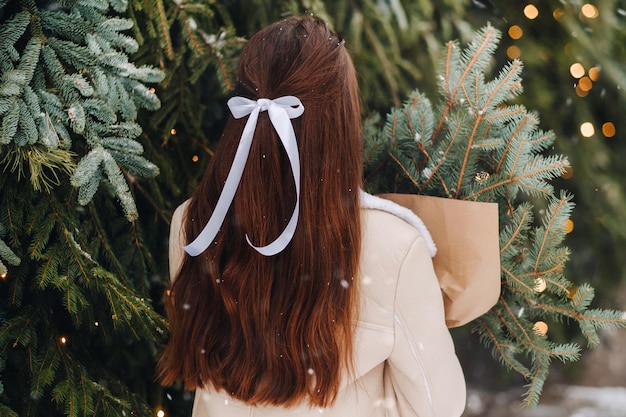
{"x": 513, "y": 52}
{"x": 569, "y": 226}
{"x": 160, "y": 413}
{"x": 515, "y": 32}
{"x": 589, "y": 11}
{"x": 568, "y": 49}
{"x": 173, "y": 131}
{"x": 558, "y": 14}
{"x": 195, "y": 158}
{"x": 594, "y": 73}
{"x": 63, "y": 340}
{"x": 531, "y": 12}
{"x": 608, "y": 129}
{"x": 587, "y": 129}
{"x": 580, "y": 92}
{"x": 585, "y": 84}
{"x": 577, "y": 70}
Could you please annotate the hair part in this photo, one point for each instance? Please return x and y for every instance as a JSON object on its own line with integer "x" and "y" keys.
{"x": 277, "y": 330}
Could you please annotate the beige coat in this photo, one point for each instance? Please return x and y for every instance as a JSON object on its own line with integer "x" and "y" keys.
{"x": 404, "y": 355}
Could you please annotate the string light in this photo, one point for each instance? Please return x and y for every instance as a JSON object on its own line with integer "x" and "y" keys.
{"x": 160, "y": 412}
{"x": 152, "y": 90}
{"x": 558, "y": 14}
{"x": 531, "y": 12}
{"x": 3, "y": 275}
{"x": 195, "y": 158}
{"x": 577, "y": 70}
{"x": 515, "y": 32}
{"x": 587, "y": 129}
{"x": 594, "y": 73}
{"x": 568, "y": 49}
{"x": 585, "y": 83}
{"x": 63, "y": 340}
{"x": 569, "y": 226}
{"x": 580, "y": 92}
{"x": 608, "y": 129}
{"x": 513, "y": 52}
{"x": 590, "y": 11}
{"x": 173, "y": 131}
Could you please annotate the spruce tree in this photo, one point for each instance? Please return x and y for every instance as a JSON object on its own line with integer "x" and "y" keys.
{"x": 473, "y": 145}
{"x": 82, "y": 274}
{"x": 78, "y": 328}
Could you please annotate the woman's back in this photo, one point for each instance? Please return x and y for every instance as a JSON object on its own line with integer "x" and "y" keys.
{"x": 404, "y": 358}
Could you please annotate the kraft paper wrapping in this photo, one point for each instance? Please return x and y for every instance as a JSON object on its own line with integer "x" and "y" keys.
{"x": 467, "y": 263}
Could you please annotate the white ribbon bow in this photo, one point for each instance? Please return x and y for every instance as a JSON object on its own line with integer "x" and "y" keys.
{"x": 280, "y": 110}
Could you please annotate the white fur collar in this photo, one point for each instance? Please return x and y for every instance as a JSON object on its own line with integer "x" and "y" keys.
{"x": 372, "y": 202}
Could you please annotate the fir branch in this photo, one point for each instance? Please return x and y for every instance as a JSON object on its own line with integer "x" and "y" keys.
{"x": 74, "y": 392}
{"x": 20, "y": 330}
{"x": 6, "y": 254}
{"x": 10, "y": 123}
{"x": 66, "y": 26}
{"x": 40, "y": 225}
{"x": 524, "y": 180}
{"x": 189, "y": 25}
{"x": 137, "y": 165}
{"x": 502, "y": 351}
{"x": 468, "y": 149}
{"x": 164, "y": 29}
{"x": 76, "y": 55}
{"x": 477, "y": 133}
{"x": 122, "y": 191}
{"x": 514, "y": 281}
{"x": 44, "y": 368}
{"x": 11, "y": 30}
{"x": 127, "y": 309}
{"x": 582, "y": 297}
{"x": 106, "y": 245}
{"x": 5, "y": 410}
{"x": 534, "y": 344}
{"x": 48, "y": 274}
{"x": 482, "y": 45}
{"x": 553, "y": 231}
{"x": 519, "y": 127}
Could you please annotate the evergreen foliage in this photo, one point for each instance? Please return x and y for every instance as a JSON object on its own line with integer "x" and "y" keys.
{"x": 472, "y": 145}
{"x": 83, "y": 133}
{"x": 560, "y": 37}
{"x": 73, "y": 263}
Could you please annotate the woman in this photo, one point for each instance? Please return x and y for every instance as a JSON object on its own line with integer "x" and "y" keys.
{"x": 290, "y": 296}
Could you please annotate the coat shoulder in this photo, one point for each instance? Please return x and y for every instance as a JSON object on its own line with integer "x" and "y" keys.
{"x": 389, "y": 220}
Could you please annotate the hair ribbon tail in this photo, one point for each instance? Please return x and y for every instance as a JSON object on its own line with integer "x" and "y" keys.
{"x": 280, "y": 111}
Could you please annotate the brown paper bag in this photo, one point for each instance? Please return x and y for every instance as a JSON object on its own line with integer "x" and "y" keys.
{"x": 468, "y": 252}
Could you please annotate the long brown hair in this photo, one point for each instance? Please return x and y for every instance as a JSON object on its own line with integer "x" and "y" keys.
{"x": 277, "y": 330}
